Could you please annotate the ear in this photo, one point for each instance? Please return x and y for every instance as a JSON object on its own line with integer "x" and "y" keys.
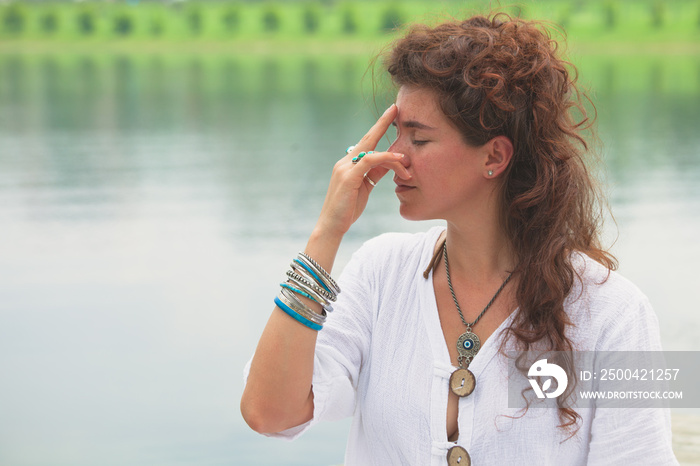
{"x": 499, "y": 155}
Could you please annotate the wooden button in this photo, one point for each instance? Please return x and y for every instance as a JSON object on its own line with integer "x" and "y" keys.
{"x": 458, "y": 456}
{"x": 462, "y": 382}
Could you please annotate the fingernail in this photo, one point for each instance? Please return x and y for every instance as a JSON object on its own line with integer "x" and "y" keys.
{"x": 390, "y": 107}
{"x": 397, "y": 155}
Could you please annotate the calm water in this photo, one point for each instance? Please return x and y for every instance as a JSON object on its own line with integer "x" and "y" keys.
{"x": 149, "y": 206}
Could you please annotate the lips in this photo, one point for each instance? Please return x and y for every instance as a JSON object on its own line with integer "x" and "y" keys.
{"x": 401, "y": 186}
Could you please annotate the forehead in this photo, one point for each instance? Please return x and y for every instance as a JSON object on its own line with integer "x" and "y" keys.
{"x": 419, "y": 104}
{"x": 412, "y": 95}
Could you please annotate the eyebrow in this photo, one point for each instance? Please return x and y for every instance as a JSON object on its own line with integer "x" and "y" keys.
{"x": 413, "y": 124}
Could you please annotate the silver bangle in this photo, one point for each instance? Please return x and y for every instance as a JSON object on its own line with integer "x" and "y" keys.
{"x": 298, "y": 278}
{"x": 302, "y": 313}
{"x": 327, "y": 306}
{"x": 302, "y": 267}
{"x": 312, "y": 278}
{"x": 288, "y": 298}
{"x": 299, "y": 304}
{"x": 325, "y": 276}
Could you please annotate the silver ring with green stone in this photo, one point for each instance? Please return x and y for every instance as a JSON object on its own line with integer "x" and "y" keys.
{"x": 360, "y": 155}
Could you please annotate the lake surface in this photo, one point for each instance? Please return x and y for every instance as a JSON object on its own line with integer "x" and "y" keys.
{"x": 150, "y": 204}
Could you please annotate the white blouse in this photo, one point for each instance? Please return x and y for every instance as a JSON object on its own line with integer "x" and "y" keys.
{"x": 382, "y": 358}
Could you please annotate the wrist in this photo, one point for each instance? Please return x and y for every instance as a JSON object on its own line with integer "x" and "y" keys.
{"x": 327, "y": 236}
{"x": 329, "y": 228}
{"x": 323, "y": 246}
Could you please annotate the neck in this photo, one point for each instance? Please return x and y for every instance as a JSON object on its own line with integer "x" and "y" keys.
{"x": 478, "y": 248}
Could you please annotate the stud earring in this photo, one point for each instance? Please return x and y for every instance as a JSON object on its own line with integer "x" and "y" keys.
{"x": 490, "y": 172}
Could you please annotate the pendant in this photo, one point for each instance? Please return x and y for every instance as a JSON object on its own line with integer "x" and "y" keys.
{"x": 462, "y": 382}
{"x": 468, "y": 344}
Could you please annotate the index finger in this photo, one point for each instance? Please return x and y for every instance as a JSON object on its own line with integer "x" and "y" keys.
{"x": 375, "y": 133}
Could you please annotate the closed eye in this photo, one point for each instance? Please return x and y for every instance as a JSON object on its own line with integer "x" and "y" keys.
{"x": 419, "y": 143}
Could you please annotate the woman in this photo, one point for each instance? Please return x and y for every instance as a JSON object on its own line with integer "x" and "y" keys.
{"x": 415, "y": 348}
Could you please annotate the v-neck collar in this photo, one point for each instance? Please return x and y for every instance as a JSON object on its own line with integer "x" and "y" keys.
{"x": 489, "y": 348}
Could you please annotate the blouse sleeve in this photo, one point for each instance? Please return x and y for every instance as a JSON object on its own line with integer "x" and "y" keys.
{"x": 341, "y": 346}
{"x": 624, "y": 436}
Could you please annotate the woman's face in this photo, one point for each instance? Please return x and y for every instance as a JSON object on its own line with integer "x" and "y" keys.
{"x": 447, "y": 173}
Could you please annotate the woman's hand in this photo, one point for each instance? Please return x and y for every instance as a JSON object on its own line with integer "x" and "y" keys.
{"x": 350, "y": 182}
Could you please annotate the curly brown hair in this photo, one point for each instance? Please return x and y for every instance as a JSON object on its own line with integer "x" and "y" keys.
{"x": 503, "y": 76}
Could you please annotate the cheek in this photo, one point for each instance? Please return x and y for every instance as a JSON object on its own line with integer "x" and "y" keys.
{"x": 448, "y": 176}
{"x": 432, "y": 168}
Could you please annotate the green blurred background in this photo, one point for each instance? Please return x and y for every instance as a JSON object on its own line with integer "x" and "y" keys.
{"x": 599, "y": 23}
{"x": 161, "y": 162}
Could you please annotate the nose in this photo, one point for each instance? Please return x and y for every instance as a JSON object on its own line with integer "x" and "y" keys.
{"x": 399, "y": 148}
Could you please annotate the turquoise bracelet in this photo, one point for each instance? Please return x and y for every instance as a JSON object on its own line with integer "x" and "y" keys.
{"x": 297, "y": 316}
{"x": 327, "y": 279}
{"x": 316, "y": 277}
{"x": 303, "y": 293}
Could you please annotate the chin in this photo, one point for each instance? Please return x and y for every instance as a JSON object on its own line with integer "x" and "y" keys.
{"x": 412, "y": 214}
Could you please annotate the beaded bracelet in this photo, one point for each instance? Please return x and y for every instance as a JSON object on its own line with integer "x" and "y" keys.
{"x": 302, "y": 290}
{"x": 325, "y": 276}
{"x": 306, "y": 271}
{"x": 298, "y": 278}
{"x": 318, "y": 279}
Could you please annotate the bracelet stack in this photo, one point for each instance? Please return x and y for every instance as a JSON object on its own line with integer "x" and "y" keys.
{"x": 308, "y": 279}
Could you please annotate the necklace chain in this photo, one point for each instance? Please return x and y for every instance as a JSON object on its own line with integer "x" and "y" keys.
{"x": 454, "y": 297}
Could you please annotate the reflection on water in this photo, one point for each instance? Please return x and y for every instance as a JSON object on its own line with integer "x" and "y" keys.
{"x": 150, "y": 204}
